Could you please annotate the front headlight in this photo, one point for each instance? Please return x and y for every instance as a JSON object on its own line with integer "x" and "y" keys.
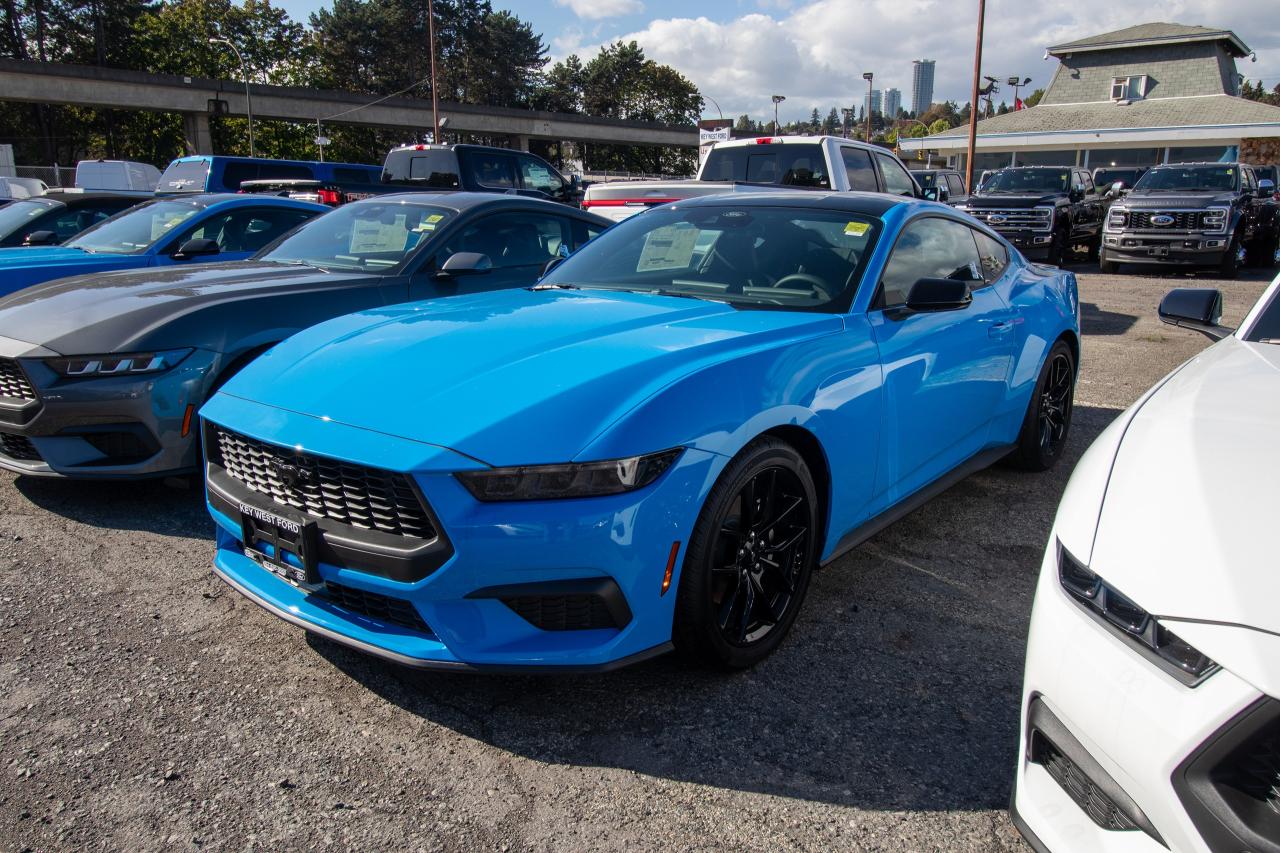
{"x": 116, "y": 364}
{"x": 1117, "y": 218}
{"x": 1131, "y": 623}
{"x": 1214, "y": 219}
{"x": 570, "y": 480}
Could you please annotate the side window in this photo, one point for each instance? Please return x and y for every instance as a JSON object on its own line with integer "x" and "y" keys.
{"x": 584, "y": 233}
{"x": 1087, "y": 179}
{"x": 992, "y": 256}
{"x": 492, "y": 171}
{"x": 511, "y": 239}
{"x": 954, "y": 185}
{"x": 896, "y": 179}
{"x": 858, "y": 168}
{"x": 236, "y": 173}
{"x": 1250, "y": 184}
{"x": 537, "y": 175}
{"x": 68, "y": 223}
{"x": 930, "y": 247}
{"x": 254, "y": 229}
{"x": 286, "y": 171}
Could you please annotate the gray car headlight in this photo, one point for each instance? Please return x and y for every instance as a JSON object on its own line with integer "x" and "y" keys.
{"x": 1131, "y": 623}
{"x": 569, "y": 480}
{"x": 116, "y": 364}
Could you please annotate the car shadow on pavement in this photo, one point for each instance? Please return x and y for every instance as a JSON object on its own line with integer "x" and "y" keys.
{"x": 1095, "y": 321}
{"x": 147, "y": 505}
{"x": 898, "y": 689}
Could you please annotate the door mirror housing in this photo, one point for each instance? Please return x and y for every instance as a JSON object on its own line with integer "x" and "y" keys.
{"x": 1266, "y": 187}
{"x": 198, "y": 247}
{"x": 1076, "y": 194}
{"x": 930, "y": 193}
{"x": 40, "y": 238}
{"x": 465, "y": 263}
{"x": 939, "y": 294}
{"x": 1195, "y": 308}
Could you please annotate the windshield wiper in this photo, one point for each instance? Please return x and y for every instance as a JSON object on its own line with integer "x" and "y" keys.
{"x": 556, "y": 286}
{"x": 301, "y": 263}
{"x": 1269, "y": 340}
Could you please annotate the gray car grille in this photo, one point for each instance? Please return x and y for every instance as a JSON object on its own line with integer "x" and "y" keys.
{"x": 1013, "y": 218}
{"x": 369, "y": 498}
{"x": 13, "y": 381}
{"x": 1183, "y": 220}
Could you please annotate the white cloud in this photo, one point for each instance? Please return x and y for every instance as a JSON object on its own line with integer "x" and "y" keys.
{"x": 602, "y": 8}
{"x": 815, "y": 53}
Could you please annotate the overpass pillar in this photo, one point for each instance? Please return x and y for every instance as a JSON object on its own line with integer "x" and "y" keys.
{"x": 195, "y": 127}
{"x": 519, "y": 142}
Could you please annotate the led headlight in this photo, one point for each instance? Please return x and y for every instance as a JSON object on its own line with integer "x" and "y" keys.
{"x": 1131, "y": 623}
{"x": 116, "y": 364}
{"x": 1214, "y": 219}
{"x": 570, "y": 480}
{"x": 1117, "y": 218}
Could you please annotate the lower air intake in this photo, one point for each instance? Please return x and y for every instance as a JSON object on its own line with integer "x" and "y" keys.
{"x": 1091, "y": 799}
{"x": 383, "y": 608}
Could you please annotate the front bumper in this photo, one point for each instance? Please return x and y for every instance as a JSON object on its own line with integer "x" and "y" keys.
{"x": 105, "y": 428}
{"x": 1034, "y": 245}
{"x": 471, "y": 607}
{"x": 1125, "y": 726}
{"x": 1185, "y": 249}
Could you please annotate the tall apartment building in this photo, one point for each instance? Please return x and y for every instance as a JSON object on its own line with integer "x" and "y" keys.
{"x": 921, "y": 85}
{"x": 892, "y": 103}
{"x": 871, "y": 103}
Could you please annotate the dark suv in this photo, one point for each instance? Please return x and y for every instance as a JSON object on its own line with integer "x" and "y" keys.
{"x": 944, "y": 185}
{"x": 1043, "y": 210}
{"x": 1194, "y": 214}
{"x": 478, "y": 168}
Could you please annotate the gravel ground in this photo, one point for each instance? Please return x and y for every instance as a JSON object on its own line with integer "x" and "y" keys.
{"x": 145, "y": 706}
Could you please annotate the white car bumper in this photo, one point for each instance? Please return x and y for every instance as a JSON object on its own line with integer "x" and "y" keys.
{"x": 1135, "y": 725}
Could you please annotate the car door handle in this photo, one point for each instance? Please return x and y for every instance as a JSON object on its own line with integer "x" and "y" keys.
{"x": 1003, "y": 327}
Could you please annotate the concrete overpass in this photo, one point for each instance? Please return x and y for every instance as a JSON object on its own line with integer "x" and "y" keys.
{"x": 196, "y": 98}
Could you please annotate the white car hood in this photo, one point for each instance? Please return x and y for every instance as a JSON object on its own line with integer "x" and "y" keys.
{"x": 1187, "y": 527}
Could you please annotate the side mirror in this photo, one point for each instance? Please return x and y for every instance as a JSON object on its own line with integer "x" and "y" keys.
{"x": 1076, "y": 194}
{"x": 41, "y": 238}
{"x": 199, "y": 247}
{"x": 1266, "y": 187}
{"x": 465, "y": 263}
{"x": 939, "y": 294}
{"x": 931, "y": 193}
{"x": 1195, "y": 308}
{"x": 575, "y": 181}
{"x": 1118, "y": 187}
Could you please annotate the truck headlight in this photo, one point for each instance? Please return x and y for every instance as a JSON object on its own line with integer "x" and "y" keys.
{"x": 570, "y": 480}
{"x": 1131, "y": 623}
{"x": 1117, "y": 218}
{"x": 1214, "y": 219}
{"x": 116, "y": 364}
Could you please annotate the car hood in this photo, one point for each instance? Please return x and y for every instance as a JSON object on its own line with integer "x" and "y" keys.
{"x": 105, "y": 312}
{"x": 1193, "y": 201}
{"x": 511, "y": 377}
{"x": 1015, "y": 199}
{"x": 1185, "y": 527}
{"x": 39, "y": 255}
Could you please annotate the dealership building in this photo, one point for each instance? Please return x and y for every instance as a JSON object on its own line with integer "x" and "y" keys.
{"x": 1154, "y": 93}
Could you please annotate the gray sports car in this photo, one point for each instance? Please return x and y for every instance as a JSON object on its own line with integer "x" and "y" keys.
{"x": 101, "y": 376}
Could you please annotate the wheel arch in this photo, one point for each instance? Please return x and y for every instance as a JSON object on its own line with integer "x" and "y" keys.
{"x": 810, "y": 448}
{"x": 237, "y": 363}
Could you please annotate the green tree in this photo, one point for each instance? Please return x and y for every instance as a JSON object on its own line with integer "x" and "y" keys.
{"x": 815, "y": 121}
{"x": 939, "y": 126}
{"x": 1033, "y": 99}
{"x": 831, "y": 124}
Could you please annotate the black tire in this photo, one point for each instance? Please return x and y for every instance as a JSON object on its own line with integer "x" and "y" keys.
{"x": 1057, "y": 250}
{"x": 1048, "y": 420}
{"x": 1229, "y": 266}
{"x": 1095, "y": 248}
{"x": 1262, "y": 252}
{"x": 1108, "y": 267}
{"x": 734, "y": 604}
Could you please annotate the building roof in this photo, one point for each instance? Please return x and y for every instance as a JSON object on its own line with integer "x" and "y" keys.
{"x": 1152, "y": 34}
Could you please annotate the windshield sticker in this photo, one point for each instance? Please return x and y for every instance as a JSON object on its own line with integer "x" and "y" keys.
{"x": 373, "y": 235}
{"x": 435, "y": 217}
{"x": 856, "y": 229}
{"x": 668, "y": 248}
{"x": 161, "y": 225}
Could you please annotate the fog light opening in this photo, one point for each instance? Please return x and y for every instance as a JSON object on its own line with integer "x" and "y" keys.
{"x": 671, "y": 566}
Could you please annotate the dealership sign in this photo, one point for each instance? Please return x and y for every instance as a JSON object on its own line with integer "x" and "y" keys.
{"x": 711, "y": 131}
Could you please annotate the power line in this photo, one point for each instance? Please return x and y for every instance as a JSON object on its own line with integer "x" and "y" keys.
{"x": 426, "y": 79}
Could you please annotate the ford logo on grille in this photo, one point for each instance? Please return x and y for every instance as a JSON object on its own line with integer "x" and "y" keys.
{"x": 997, "y": 218}
{"x": 292, "y": 475}
{"x": 1162, "y": 219}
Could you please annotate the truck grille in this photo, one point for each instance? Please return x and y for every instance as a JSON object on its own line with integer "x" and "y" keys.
{"x": 368, "y": 498}
{"x": 13, "y": 381}
{"x": 1014, "y": 219}
{"x": 1179, "y": 220}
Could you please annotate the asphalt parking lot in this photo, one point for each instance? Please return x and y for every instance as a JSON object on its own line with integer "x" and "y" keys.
{"x": 144, "y": 705}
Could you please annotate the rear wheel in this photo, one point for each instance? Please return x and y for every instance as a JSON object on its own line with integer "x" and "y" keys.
{"x": 749, "y": 559}
{"x": 1057, "y": 249}
{"x": 1263, "y": 252}
{"x": 1232, "y": 258}
{"x": 1048, "y": 420}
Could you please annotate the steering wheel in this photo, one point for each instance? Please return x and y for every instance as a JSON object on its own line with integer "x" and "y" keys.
{"x": 804, "y": 278}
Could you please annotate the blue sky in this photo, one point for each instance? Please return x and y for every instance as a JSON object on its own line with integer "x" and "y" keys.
{"x": 740, "y": 52}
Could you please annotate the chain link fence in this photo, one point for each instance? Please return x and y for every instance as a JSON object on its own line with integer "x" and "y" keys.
{"x": 53, "y": 176}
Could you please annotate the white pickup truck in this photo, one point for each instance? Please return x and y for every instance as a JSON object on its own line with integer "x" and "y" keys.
{"x": 749, "y": 165}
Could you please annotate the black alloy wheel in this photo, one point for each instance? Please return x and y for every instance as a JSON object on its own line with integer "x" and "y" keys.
{"x": 1057, "y": 249}
{"x": 1232, "y": 258}
{"x": 1048, "y": 420}
{"x": 750, "y": 558}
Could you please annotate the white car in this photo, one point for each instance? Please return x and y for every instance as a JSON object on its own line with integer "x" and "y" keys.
{"x": 1151, "y": 701}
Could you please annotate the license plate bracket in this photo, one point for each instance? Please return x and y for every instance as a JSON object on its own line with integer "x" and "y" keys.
{"x": 284, "y": 543}
{"x": 1159, "y": 251}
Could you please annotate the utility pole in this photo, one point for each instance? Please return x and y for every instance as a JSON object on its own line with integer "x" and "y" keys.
{"x": 973, "y": 101}
{"x": 848, "y": 120}
{"x": 868, "y": 76}
{"x": 777, "y": 99}
{"x": 435, "y": 97}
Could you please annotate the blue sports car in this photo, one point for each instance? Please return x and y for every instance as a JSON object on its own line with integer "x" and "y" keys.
{"x": 160, "y": 233}
{"x": 653, "y": 447}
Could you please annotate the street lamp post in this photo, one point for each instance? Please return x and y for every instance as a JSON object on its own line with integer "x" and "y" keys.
{"x": 848, "y": 120}
{"x": 435, "y": 98}
{"x": 1017, "y": 84}
{"x": 248, "y": 99}
{"x": 868, "y": 76}
{"x": 777, "y": 99}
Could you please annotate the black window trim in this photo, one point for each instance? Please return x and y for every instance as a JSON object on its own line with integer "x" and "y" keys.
{"x": 884, "y": 183}
{"x": 877, "y": 296}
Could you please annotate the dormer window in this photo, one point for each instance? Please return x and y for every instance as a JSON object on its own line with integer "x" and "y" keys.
{"x": 1128, "y": 88}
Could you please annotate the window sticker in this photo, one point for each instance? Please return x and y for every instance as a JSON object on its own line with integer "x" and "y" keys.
{"x": 856, "y": 229}
{"x": 668, "y": 248}
{"x": 372, "y": 235}
{"x": 162, "y": 225}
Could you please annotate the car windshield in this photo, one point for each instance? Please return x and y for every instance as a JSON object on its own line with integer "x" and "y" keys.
{"x": 184, "y": 176}
{"x": 1190, "y": 179}
{"x": 373, "y": 236}
{"x": 926, "y": 180}
{"x": 781, "y": 258}
{"x": 134, "y": 231}
{"x": 18, "y": 214}
{"x": 1028, "y": 181}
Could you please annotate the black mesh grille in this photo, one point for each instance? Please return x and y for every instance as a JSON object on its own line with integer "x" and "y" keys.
{"x": 13, "y": 381}
{"x": 384, "y": 608}
{"x": 1184, "y": 220}
{"x": 363, "y": 497}
{"x": 1089, "y": 797}
{"x": 18, "y": 447}
{"x": 1254, "y": 769}
{"x": 563, "y": 612}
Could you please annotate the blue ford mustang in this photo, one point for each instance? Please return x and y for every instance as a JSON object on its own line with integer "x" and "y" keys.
{"x": 160, "y": 233}
{"x": 653, "y": 447}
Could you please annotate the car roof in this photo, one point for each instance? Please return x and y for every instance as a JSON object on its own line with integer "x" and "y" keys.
{"x": 460, "y": 201}
{"x": 1197, "y": 164}
{"x": 870, "y": 204}
{"x": 72, "y": 198}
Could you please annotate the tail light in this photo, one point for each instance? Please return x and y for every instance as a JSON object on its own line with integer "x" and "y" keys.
{"x": 333, "y": 198}
{"x": 765, "y": 140}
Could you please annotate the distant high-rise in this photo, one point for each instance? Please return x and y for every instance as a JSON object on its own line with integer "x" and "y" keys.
{"x": 871, "y": 103}
{"x": 892, "y": 103}
{"x": 921, "y": 85}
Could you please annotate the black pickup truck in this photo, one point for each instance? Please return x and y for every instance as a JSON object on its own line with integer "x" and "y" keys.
{"x": 1194, "y": 214}
{"x": 1043, "y": 210}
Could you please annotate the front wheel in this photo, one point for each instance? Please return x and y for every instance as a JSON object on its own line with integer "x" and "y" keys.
{"x": 1265, "y": 252}
{"x": 1108, "y": 267}
{"x": 749, "y": 559}
{"x": 1232, "y": 258}
{"x": 1048, "y": 420}
{"x": 1057, "y": 250}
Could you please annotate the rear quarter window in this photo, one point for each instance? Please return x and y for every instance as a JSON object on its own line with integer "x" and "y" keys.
{"x": 788, "y": 165}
